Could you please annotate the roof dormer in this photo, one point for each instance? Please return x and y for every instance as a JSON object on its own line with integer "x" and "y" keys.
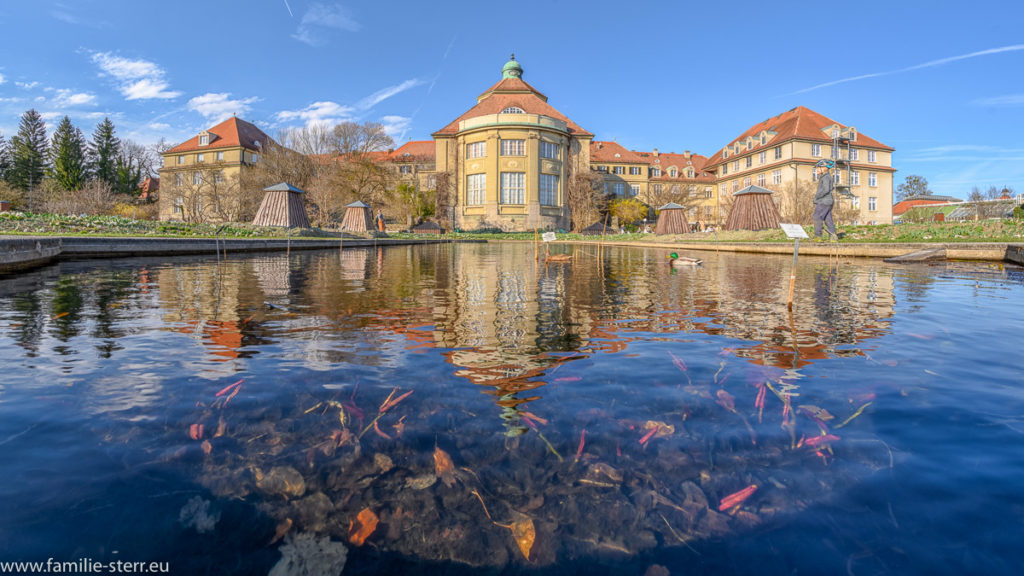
{"x": 204, "y": 138}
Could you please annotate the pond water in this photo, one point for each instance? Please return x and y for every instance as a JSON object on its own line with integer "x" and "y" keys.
{"x": 461, "y": 409}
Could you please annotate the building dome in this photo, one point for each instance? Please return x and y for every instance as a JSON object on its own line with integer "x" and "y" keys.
{"x": 512, "y": 69}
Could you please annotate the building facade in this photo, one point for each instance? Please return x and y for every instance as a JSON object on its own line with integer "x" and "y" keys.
{"x": 200, "y": 178}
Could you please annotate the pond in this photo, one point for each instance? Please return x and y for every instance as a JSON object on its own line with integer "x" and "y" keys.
{"x": 463, "y": 409}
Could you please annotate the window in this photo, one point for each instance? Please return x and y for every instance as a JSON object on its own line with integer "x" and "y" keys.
{"x": 746, "y": 181}
{"x": 750, "y": 161}
{"x": 548, "y": 150}
{"x": 634, "y": 190}
{"x": 204, "y": 139}
{"x": 708, "y": 193}
{"x": 734, "y": 186}
{"x": 513, "y": 110}
{"x": 872, "y": 179}
{"x": 725, "y": 153}
{"x": 778, "y": 152}
{"x": 855, "y": 202}
{"x": 854, "y": 178}
{"x": 179, "y": 179}
{"x": 854, "y": 154}
{"x": 253, "y": 158}
{"x": 405, "y": 169}
{"x": 218, "y": 177}
{"x": 197, "y": 178}
{"x": 513, "y": 185}
{"x": 761, "y": 179}
{"x": 513, "y": 148}
{"x": 431, "y": 182}
{"x": 776, "y": 177}
{"x": 764, "y": 138}
{"x": 735, "y": 165}
{"x": 200, "y": 157}
{"x": 675, "y": 189}
{"x": 602, "y": 169}
{"x": 656, "y": 188}
{"x": 673, "y": 172}
{"x": 761, "y": 157}
{"x": 620, "y": 189}
{"x": 179, "y": 205}
{"x": 872, "y": 203}
{"x": 476, "y": 149}
{"x": 725, "y": 169}
{"x": 655, "y": 172}
{"x": 816, "y": 150}
{"x": 220, "y": 156}
{"x": 181, "y": 159}
{"x": 618, "y": 170}
{"x": 839, "y": 177}
{"x": 871, "y": 155}
{"x": 476, "y": 189}
{"x": 548, "y": 189}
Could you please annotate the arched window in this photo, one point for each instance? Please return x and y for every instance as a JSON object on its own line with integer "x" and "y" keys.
{"x": 513, "y": 110}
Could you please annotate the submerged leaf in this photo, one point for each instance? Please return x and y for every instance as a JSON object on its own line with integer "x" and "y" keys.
{"x": 443, "y": 467}
{"x": 524, "y": 533}
{"x": 365, "y": 524}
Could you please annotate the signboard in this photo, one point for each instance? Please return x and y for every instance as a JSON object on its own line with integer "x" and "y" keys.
{"x": 550, "y": 237}
{"x": 794, "y": 231}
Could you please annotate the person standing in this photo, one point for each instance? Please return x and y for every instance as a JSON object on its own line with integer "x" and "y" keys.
{"x": 823, "y": 200}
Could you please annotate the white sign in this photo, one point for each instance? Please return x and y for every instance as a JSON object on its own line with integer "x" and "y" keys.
{"x": 794, "y": 231}
{"x": 548, "y": 237}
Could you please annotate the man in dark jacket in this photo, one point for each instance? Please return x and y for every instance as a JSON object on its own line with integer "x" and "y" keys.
{"x": 823, "y": 200}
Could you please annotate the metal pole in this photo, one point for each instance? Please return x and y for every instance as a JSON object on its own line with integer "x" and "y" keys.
{"x": 792, "y": 274}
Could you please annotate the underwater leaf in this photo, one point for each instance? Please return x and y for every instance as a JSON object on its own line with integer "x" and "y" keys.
{"x": 524, "y": 533}
{"x": 726, "y": 400}
{"x": 443, "y": 467}
{"x": 660, "y": 428}
{"x": 816, "y": 412}
{"x": 736, "y": 498}
{"x": 365, "y": 524}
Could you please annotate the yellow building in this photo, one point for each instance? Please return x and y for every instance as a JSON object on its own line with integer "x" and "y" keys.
{"x": 199, "y": 181}
{"x": 782, "y": 150}
{"x": 507, "y": 161}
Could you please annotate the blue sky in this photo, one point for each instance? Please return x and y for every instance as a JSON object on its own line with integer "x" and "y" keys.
{"x": 941, "y": 82}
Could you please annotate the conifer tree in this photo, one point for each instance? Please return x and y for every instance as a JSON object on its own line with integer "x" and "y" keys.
{"x": 67, "y": 156}
{"x": 103, "y": 151}
{"x": 5, "y": 159}
{"x": 28, "y": 152}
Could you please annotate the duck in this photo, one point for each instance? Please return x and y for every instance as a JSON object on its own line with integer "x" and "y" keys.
{"x": 558, "y": 257}
{"x": 677, "y": 261}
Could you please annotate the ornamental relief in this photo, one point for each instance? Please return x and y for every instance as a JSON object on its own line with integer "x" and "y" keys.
{"x": 513, "y": 164}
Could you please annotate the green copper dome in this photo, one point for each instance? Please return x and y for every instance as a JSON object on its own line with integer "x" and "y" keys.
{"x": 512, "y": 69}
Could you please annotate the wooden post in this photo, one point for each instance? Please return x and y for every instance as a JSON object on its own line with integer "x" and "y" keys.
{"x": 603, "y": 230}
{"x": 792, "y": 274}
{"x": 536, "y": 247}
{"x": 288, "y": 244}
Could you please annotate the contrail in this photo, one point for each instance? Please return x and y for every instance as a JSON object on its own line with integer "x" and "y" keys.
{"x": 289, "y": 9}
{"x": 929, "y": 64}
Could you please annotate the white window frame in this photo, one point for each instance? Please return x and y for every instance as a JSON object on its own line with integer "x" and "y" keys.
{"x": 178, "y": 206}
{"x": 513, "y": 147}
{"x": 200, "y": 158}
{"x": 655, "y": 172}
{"x": 620, "y": 189}
{"x": 634, "y": 170}
{"x": 735, "y": 165}
{"x": 204, "y": 139}
{"x": 854, "y": 154}
{"x": 476, "y": 149}
{"x": 218, "y": 177}
{"x": 776, "y": 177}
{"x": 872, "y": 204}
{"x": 855, "y": 202}
{"x": 179, "y": 179}
{"x": 854, "y": 178}
{"x": 761, "y": 179}
{"x": 513, "y": 187}
{"x": 181, "y": 158}
{"x": 871, "y": 156}
{"x": 750, "y": 161}
{"x": 778, "y": 152}
{"x": 547, "y": 192}
{"x": 619, "y": 170}
{"x": 634, "y": 190}
{"x": 548, "y": 150}
{"x": 873, "y": 179}
{"x": 405, "y": 169}
{"x": 220, "y": 155}
{"x": 761, "y": 157}
{"x": 816, "y": 150}
{"x": 513, "y": 110}
{"x": 197, "y": 178}
{"x": 476, "y": 189}
{"x": 746, "y": 181}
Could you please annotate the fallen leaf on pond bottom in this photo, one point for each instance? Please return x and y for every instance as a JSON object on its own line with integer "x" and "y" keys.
{"x": 207, "y": 447}
{"x": 726, "y": 400}
{"x": 525, "y": 534}
{"x": 195, "y": 431}
{"x": 819, "y": 440}
{"x": 365, "y": 524}
{"x": 660, "y": 428}
{"x": 736, "y": 498}
{"x": 443, "y": 467}
{"x": 815, "y": 411}
{"x": 281, "y": 530}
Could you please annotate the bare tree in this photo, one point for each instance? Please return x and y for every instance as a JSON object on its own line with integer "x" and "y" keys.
{"x": 797, "y": 202}
{"x": 95, "y": 197}
{"x": 315, "y": 138}
{"x": 585, "y": 197}
{"x": 353, "y": 139}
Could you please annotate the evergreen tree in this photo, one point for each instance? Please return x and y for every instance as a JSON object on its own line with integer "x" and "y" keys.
{"x": 103, "y": 151}
{"x": 28, "y": 152}
{"x": 132, "y": 163}
{"x": 5, "y": 159}
{"x": 67, "y": 156}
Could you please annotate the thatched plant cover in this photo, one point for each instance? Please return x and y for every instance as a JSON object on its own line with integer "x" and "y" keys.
{"x": 357, "y": 218}
{"x": 598, "y": 228}
{"x": 282, "y": 206}
{"x": 672, "y": 220}
{"x": 754, "y": 209}
{"x": 427, "y": 227}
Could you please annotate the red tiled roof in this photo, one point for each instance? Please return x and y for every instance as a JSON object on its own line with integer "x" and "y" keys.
{"x": 604, "y": 151}
{"x": 903, "y": 206}
{"x": 800, "y": 122}
{"x": 374, "y": 156}
{"x": 414, "y": 151}
{"x": 670, "y": 159}
{"x": 228, "y": 134}
{"x": 512, "y": 92}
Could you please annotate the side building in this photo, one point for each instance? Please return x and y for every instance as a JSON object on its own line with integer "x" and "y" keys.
{"x": 779, "y": 154}
{"x": 201, "y": 177}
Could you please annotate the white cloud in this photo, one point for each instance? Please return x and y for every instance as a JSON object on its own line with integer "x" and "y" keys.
{"x": 929, "y": 64}
{"x": 1, "y": 78}
{"x": 319, "y": 113}
{"x": 220, "y": 106}
{"x": 158, "y": 126}
{"x": 396, "y": 126}
{"x": 1001, "y": 101}
{"x": 385, "y": 93}
{"x": 26, "y": 85}
{"x": 320, "y": 17}
{"x": 68, "y": 98}
{"x": 137, "y": 79}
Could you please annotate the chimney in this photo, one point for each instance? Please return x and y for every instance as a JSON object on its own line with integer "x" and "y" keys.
{"x": 655, "y": 152}
{"x": 686, "y": 153}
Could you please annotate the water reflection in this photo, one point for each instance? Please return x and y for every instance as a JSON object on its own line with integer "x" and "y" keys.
{"x": 619, "y": 404}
